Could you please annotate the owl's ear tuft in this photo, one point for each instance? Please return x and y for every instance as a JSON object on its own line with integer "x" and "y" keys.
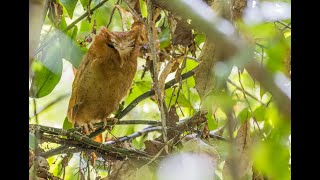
{"x": 104, "y": 31}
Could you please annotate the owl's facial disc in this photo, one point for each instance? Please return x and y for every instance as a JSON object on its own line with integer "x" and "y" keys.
{"x": 124, "y": 49}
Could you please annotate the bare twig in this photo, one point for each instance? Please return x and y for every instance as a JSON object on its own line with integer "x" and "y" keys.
{"x": 252, "y": 112}
{"x": 157, "y": 89}
{"x": 245, "y": 92}
{"x": 106, "y": 149}
{"x": 112, "y": 12}
{"x": 134, "y": 135}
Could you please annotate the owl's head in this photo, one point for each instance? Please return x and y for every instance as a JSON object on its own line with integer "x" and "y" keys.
{"x": 123, "y": 43}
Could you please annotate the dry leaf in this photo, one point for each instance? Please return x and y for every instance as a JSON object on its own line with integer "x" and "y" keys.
{"x": 55, "y": 12}
{"x": 126, "y": 16}
{"x": 153, "y": 147}
{"x": 181, "y": 32}
{"x": 178, "y": 61}
{"x": 172, "y": 120}
{"x": 163, "y": 76}
{"x": 242, "y": 156}
{"x": 205, "y": 81}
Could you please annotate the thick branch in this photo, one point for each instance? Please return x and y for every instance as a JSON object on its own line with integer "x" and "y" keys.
{"x": 107, "y": 149}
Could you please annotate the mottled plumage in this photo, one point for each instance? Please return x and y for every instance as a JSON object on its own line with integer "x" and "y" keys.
{"x": 104, "y": 76}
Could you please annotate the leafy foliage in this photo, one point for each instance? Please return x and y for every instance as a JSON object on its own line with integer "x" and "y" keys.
{"x": 239, "y": 103}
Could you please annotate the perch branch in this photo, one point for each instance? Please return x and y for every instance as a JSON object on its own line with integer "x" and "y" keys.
{"x": 75, "y": 135}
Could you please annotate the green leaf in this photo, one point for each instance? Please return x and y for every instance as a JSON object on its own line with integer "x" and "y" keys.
{"x": 143, "y": 86}
{"x": 182, "y": 100}
{"x": 212, "y": 124}
{"x": 74, "y": 32}
{"x": 276, "y": 54}
{"x": 244, "y": 115}
{"x": 66, "y": 124}
{"x": 47, "y": 71}
{"x": 84, "y": 3}
{"x": 71, "y": 50}
{"x": 259, "y": 113}
{"x": 69, "y": 5}
{"x": 143, "y": 7}
{"x": 199, "y": 38}
{"x": 272, "y": 158}
{"x": 262, "y": 92}
{"x": 32, "y": 141}
{"x": 164, "y": 37}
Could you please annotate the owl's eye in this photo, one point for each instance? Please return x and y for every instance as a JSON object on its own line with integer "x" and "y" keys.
{"x": 110, "y": 45}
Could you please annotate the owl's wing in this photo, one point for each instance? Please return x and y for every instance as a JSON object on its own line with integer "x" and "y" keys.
{"x": 78, "y": 86}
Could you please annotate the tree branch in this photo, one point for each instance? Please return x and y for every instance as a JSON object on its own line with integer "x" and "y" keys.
{"x": 134, "y": 135}
{"x": 155, "y": 76}
{"x": 75, "y": 135}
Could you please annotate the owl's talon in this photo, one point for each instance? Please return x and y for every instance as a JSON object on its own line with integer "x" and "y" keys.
{"x": 105, "y": 122}
{"x": 113, "y": 121}
{"x": 86, "y": 129}
{"x": 91, "y": 127}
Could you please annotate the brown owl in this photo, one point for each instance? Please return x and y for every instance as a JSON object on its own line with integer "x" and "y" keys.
{"x": 104, "y": 76}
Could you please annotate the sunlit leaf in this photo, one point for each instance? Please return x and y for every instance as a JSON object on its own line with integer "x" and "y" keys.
{"x": 272, "y": 159}
{"x": 164, "y": 37}
{"x": 66, "y": 124}
{"x": 199, "y": 38}
{"x": 69, "y": 5}
{"x": 84, "y": 3}
{"x": 47, "y": 72}
{"x": 143, "y": 86}
{"x": 212, "y": 124}
{"x": 244, "y": 115}
{"x": 259, "y": 113}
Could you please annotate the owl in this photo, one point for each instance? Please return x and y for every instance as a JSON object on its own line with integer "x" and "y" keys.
{"x": 104, "y": 76}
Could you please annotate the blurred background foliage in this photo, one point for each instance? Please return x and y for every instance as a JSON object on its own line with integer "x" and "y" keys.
{"x": 52, "y": 75}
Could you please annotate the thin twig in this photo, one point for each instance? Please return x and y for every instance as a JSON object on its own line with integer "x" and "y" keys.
{"x": 134, "y": 135}
{"x": 155, "y": 72}
{"x": 252, "y": 112}
{"x": 112, "y": 12}
{"x": 245, "y": 92}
